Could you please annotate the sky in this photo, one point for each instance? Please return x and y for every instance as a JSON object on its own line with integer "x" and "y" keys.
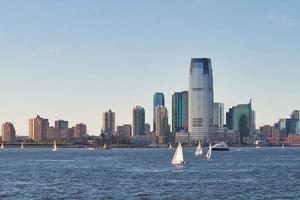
{"x": 75, "y": 59}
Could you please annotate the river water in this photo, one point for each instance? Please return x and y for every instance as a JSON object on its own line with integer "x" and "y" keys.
{"x": 242, "y": 173}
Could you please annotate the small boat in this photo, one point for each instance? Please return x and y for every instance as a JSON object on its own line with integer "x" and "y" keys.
{"x": 199, "y": 151}
{"x": 208, "y": 155}
{"x": 2, "y": 146}
{"x": 91, "y": 148}
{"x": 258, "y": 147}
{"x": 22, "y": 146}
{"x": 54, "y": 146}
{"x": 282, "y": 146}
{"x": 220, "y": 147}
{"x": 178, "y": 156}
{"x": 170, "y": 146}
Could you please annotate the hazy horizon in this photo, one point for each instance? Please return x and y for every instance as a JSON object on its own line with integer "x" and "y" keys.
{"x": 74, "y": 60}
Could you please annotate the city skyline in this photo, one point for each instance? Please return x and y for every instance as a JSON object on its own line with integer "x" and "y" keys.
{"x": 62, "y": 66}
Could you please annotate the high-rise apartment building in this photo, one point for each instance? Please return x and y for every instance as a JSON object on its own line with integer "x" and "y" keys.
{"x": 80, "y": 131}
{"x": 62, "y": 128}
{"x": 162, "y": 124}
{"x": 38, "y": 129}
{"x": 8, "y": 132}
{"x": 109, "y": 123}
{"x": 138, "y": 121}
{"x": 201, "y": 98}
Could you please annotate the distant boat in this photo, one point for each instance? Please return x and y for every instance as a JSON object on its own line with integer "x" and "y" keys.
{"x": 170, "y": 146}
{"x": 178, "y": 156}
{"x": 282, "y": 146}
{"x": 22, "y": 146}
{"x": 2, "y": 146}
{"x": 199, "y": 151}
{"x": 91, "y": 148}
{"x": 208, "y": 155}
{"x": 220, "y": 147}
{"x": 257, "y": 147}
{"x": 54, "y": 146}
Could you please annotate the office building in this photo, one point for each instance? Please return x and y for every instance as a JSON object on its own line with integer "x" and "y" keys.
{"x": 218, "y": 115}
{"x": 240, "y": 118}
{"x": 201, "y": 99}
{"x": 180, "y": 111}
{"x": 158, "y": 100}
{"x": 62, "y": 128}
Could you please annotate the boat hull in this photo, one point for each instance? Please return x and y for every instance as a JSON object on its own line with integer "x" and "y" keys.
{"x": 220, "y": 149}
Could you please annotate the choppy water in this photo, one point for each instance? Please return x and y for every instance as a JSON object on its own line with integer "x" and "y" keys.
{"x": 245, "y": 173}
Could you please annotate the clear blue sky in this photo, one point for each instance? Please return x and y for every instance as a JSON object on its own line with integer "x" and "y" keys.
{"x": 75, "y": 59}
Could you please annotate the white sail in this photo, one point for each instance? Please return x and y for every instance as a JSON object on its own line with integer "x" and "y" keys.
{"x": 208, "y": 155}
{"x": 170, "y": 147}
{"x": 54, "y": 146}
{"x": 282, "y": 146}
{"x": 178, "y": 156}
{"x": 22, "y": 146}
{"x": 199, "y": 151}
{"x": 2, "y": 146}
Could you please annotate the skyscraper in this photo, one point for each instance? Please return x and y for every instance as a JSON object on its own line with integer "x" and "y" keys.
{"x": 240, "y": 118}
{"x": 218, "y": 114}
{"x": 8, "y": 132}
{"x": 80, "y": 131}
{"x": 180, "y": 112}
{"x": 138, "y": 121}
{"x": 62, "y": 127}
{"x": 38, "y": 129}
{"x": 109, "y": 123}
{"x": 158, "y": 100}
{"x": 162, "y": 124}
{"x": 201, "y": 98}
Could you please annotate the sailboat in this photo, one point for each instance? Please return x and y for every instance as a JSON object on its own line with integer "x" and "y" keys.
{"x": 199, "y": 151}
{"x": 208, "y": 155}
{"x": 2, "y": 146}
{"x": 54, "y": 146}
{"x": 282, "y": 146}
{"x": 22, "y": 146}
{"x": 178, "y": 156}
{"x": 170, "y": 146}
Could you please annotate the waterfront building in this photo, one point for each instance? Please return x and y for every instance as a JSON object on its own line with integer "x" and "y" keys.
{"x": 147, "y": 128}
{"x": 109, "y": 121}
{"x": 124, "y": 131}
{"x": 80, "y": 131}
{"x": 162, "y": 124}
{"x": 158, "y": 100}
{"x": 223, "y": 134}
{"x": 180, "y": 112}
{"x": 38, "y": 129}
{"x": 52, "y": 133}
{"x": 239, "y": 118}
{"x": 138, "y": 121}
{"x": 218, "y": 115}
{"x": 62, "y": 128}
{"x": 201, "y": 98}
{"x": 293, "y": 124}
{"x": 8, "y": 132}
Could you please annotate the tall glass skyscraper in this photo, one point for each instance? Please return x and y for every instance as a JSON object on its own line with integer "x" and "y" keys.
{"x": 219, "y": 114}
{"x": 201, "y": 98}
{"x": 180, "y": 111}
{"x": 158, "y": 100}
{"x": 138, "y": 121}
